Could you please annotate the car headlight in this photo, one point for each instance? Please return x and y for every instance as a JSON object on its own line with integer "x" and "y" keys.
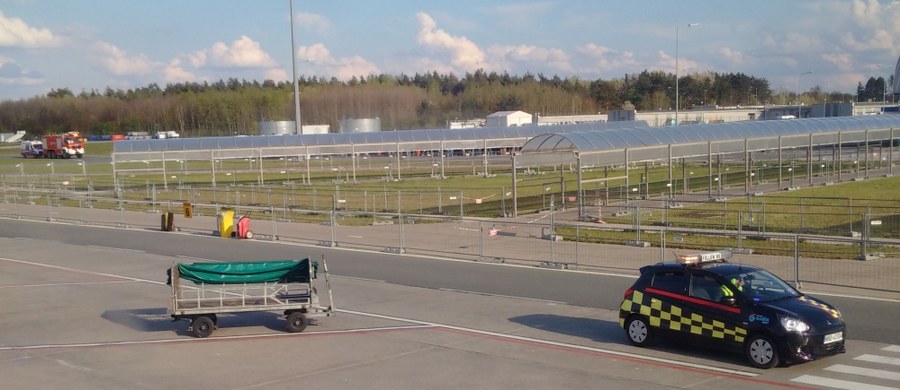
{"x": 792, "y": 324}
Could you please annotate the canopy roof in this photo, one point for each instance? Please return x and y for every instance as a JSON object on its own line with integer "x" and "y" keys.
{"x": 596, "y": 141}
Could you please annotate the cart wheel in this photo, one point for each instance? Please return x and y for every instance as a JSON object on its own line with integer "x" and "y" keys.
{"x": 202, "y": 326}
{"x": 248, "y": 235}
{"x": 296, "y": 322}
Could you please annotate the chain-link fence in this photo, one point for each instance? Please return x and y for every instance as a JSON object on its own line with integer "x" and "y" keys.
{"x": 860, "y": 261}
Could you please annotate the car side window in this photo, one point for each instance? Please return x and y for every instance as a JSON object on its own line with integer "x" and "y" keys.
{"x": 672, "y": 281}
{"x": 707, "y": 288}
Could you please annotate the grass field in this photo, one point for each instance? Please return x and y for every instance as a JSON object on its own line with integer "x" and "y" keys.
{"x": 835, "y": 209}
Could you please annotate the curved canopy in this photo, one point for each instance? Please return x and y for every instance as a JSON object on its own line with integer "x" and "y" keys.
{"x": 340, "y": 143}
{"x": 598, "y": 141}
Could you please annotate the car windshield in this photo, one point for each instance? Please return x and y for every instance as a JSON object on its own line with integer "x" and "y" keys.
{"x": 762, "y": 286}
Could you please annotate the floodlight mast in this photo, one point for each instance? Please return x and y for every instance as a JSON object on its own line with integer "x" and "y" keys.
{"x": 677, "y": 97}
{"x": 298, "y": 129}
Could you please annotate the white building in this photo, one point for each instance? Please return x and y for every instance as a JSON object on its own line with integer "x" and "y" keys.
{"x": 508, "y": 119}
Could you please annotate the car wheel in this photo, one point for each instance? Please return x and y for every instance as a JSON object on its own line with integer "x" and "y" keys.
{"x": 761, "y": 352}
{"x": 638, "y": 331}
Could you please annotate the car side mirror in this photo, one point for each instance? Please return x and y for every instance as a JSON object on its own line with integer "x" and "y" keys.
{"x": 730, "y": 301}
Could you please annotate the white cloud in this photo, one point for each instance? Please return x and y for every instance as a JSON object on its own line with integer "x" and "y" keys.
{"x": 174, "y": 72}
{"x": 243, "y": 53}
{"x": 842, "y": 61}
{"x": 276, "y": 74}
{"x": 116, "y": 62}
{"x": 463, "y": 54}
{"x": 315, "y": 22}
{"x": 734, "y": 56}
{"x": 668, "y": 63}
{"x": 602, "y": 59}
{"x": 531, "y": 55}
{"x": 15, "y": 32}
{"x": 320, "y": 58}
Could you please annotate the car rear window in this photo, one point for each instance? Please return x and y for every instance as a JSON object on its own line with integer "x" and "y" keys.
{"x": 672, "y": 281}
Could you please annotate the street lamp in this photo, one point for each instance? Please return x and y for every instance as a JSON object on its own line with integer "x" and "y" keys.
{"x": 299, "y": 128}
{"x": 800, "y": 92}
{"x": 676, "y": 70}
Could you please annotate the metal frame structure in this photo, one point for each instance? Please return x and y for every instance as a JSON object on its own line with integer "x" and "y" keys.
{"x": 394, "y": 143}
{"x": 666, "y": 145}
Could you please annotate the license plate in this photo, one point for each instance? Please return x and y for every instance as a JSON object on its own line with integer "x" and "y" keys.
{"x": 834, "y": 337}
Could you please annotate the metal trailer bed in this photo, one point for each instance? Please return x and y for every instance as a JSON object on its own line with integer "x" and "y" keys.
{"x": 201, "y": 303}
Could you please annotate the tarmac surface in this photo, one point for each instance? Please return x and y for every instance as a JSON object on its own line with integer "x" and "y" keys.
{"x": 92, "y": 316}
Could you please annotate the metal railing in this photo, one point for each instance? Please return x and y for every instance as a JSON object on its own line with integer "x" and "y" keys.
{"x": 859, "y": 262}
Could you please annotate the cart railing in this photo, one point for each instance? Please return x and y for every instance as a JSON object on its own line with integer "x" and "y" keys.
{"x": 242, "y": 295}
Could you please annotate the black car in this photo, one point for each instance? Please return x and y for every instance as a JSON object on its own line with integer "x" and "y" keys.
{"x": 703, "y": 296}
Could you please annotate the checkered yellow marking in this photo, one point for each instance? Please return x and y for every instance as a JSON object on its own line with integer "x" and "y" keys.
{"x": 828, "y": 309}
{"x": 664, "y": 315}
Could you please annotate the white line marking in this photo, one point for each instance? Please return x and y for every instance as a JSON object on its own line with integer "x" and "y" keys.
{"x": 355, "y": 278}
{"x": 354, "y": 236}
{"x": 187, "y": 340}
{"x": 112, "y": 248}
{"x": 502, "y": 296}
{"x": 837, "y": 383}
{"x": 558, "y": 344}
{"x": 872, "y": 372}
{"x": 67, "y": 284}
{"x": 82, "y": 271}
{"x": 828, "y": 294}
{"x": 892, "y": 348}
{"x": 198, "y": 258}
{"x": 878, "y": 359}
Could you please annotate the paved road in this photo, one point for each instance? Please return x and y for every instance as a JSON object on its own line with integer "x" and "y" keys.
{"x": 404, "y": 323}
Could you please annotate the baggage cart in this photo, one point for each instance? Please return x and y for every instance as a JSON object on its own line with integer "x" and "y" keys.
{"x": 202, "y": 291}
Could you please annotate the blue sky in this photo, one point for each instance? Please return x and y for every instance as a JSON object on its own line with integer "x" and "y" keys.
{"x": 95, "y": 44}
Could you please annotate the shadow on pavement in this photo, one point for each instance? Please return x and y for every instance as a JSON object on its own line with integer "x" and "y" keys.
{"x": 158, "y": 320}
{"x": 589, "y": 328}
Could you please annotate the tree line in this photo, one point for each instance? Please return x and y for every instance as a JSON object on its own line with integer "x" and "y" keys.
{"x": 428, "y": 100}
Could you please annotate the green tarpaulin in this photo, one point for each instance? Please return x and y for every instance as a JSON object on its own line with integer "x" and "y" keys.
{"x": 283, "y": 271}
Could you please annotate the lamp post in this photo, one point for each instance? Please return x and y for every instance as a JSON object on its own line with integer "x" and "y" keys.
{"x": 677, "y": 97}
{"x": 800, "y": 92}
{"x": 298, "y": 129}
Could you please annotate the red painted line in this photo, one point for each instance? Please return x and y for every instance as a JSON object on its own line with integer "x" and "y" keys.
{"x": 628, "y": 359}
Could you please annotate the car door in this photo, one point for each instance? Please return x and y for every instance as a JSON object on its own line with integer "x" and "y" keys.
{"x": 710, "y": 317}
{"x": 664, "y": 298}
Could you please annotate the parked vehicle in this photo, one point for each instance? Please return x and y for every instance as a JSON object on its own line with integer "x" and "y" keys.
{"x": 203, "y": 291}
{"x": 63, "y": 145}
{"x": 33, "y": 149}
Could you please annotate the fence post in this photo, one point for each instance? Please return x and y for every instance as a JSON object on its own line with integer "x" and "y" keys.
{"x": 552, "y": 233}
{"x": 662, "y": 243}
{"x": 481, "y": 239}
{"x": 399, "y": 216}
{"x": 274, "y": 223}
{"x": 864, "y": 245}
{"x": 797, "y": 261}
{"x": 577, "y": 244}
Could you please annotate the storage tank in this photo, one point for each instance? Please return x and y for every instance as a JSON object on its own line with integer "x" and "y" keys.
{"x": 362, "y": 125}
{"x": 277, "y": 128}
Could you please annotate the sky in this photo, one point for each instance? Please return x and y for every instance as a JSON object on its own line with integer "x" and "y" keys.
{"x": 86, "y": 45}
